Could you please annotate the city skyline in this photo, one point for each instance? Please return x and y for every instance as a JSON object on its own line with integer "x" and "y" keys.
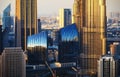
{"x": 77, "y": 40}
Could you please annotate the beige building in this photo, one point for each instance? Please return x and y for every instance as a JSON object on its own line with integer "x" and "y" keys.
{"x": 107, "y": 66}
{"x": 13, "y": 63}
{"x": 26, "y": 21}
{"x": 90, "y": 18}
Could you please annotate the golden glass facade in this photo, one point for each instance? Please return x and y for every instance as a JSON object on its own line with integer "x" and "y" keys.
{"x": 26, "y": 21}
{"x": 90, "y": 17}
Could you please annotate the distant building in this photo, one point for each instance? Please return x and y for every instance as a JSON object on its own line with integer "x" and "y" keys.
{"x": 13, "y": 63}
{"x": 37, "y": 46}
{"x": 115, "y": 48}
{"x": 65, "y": 17}
{"x": 7, "y": 28}
{"x": 114, "y": 15}
{"x": 39, "y": 25}
{"x": 68, "y": 44}
{"x": 107, "y": 66}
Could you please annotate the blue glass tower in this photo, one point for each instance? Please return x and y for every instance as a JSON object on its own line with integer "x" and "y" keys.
{"x": 7, "y": 28}
{"x": 68, "y": 44}
{"x": 37, "y": 48}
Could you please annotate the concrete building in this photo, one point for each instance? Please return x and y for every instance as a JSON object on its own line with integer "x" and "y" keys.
{"x": 13, "y": 63}
{"x": 65, "y": 17}
{"x": 26, "y": 21}
{"x": 90, "y": 18}
{"x": 107, "y": 66}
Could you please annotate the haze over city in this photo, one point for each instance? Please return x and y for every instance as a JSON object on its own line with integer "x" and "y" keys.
{"x": 49, "y": 7}
{"x": 59, "y": 38}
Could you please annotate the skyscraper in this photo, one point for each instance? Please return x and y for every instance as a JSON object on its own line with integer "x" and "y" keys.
{"x": 68, "y": 44}
{"x": 26, "y": 21}
{"x": 64, "y": 17}
{"x": 37, "y": 46}
{"x": 90, "y": 17}
{"x": 13, "y": 63}
{"x": 7, "y": 28}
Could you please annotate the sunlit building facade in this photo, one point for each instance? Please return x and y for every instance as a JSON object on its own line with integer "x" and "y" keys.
{"x": 90, "y": 18}
{"x": 115, "y": 48}
{"x": 37, "y": 46}
{"x": 26, "y": 21}
{"x": 68, "y": 44}
{"x": 65, "y": 17}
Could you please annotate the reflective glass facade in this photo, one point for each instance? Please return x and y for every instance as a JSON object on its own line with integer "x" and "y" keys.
{"x": 68, "y": 44}
{"x": 90, "y": 18}
{"x": 37, "y": 48}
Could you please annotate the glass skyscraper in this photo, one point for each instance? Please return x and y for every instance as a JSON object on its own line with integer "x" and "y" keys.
{"x": 37, "y": 47}
{"x": 64, "y": 17}
{"x": 90, "y": 18}
{"x": 68, "y": 44}
{"x": 26, "y": 21}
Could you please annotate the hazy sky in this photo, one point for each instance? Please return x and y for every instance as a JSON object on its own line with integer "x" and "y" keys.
{"x": 52, "y": 6}
{"x": 48, "y": 7}
{"x": 113, "y": 5}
